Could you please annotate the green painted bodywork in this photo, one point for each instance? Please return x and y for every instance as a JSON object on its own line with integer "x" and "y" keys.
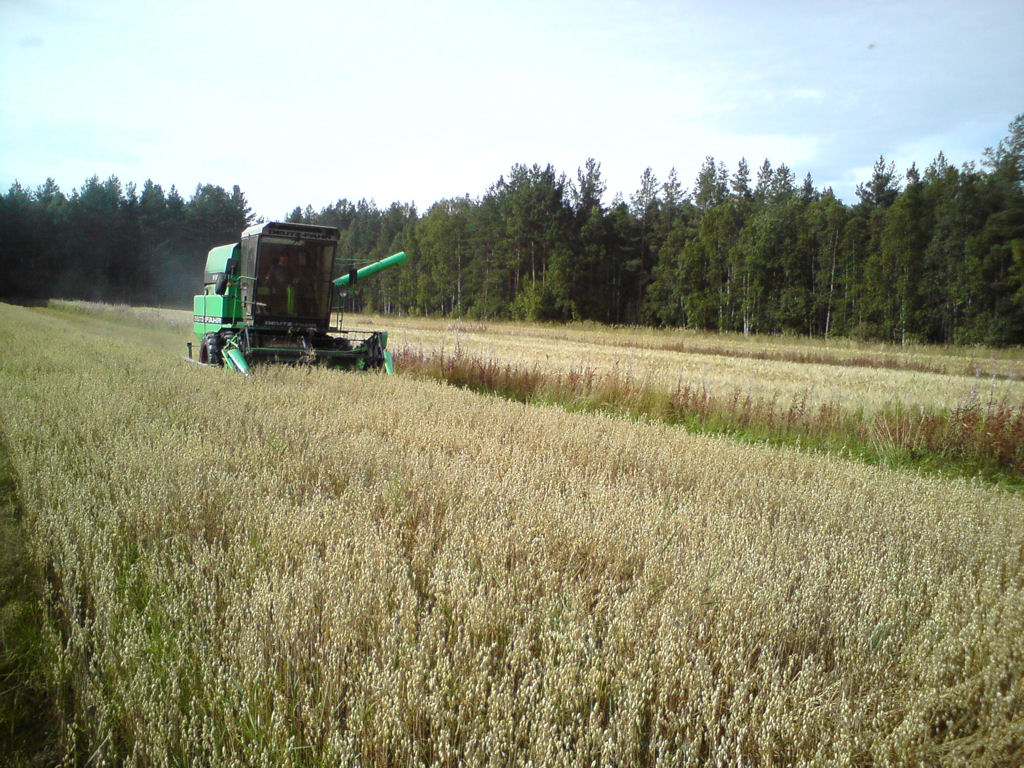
{"x": 211, "y": 313}
{"x": 217, "y": 259}
{"x": 233, "y": 358}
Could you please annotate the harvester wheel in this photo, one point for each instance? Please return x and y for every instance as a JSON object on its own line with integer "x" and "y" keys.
{"x": 209, "y": 350}
{"x": 374, "y": 354}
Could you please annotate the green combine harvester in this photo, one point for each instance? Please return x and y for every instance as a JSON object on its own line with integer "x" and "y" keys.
{"x": 269, "y": 298}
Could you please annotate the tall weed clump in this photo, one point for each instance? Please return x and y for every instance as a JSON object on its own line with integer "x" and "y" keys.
{"x": 322, "y": 568}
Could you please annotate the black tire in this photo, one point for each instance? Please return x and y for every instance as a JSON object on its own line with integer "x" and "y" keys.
{"x": 374, "y": 360}
{"x": 209, "y": 350}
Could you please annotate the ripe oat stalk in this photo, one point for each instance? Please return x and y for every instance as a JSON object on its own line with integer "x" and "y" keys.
{"x": 308, "y": 568}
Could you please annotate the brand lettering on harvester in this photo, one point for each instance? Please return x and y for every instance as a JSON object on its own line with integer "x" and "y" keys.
{"x": 209, "y": 319}
{"x": 298, "y": 234}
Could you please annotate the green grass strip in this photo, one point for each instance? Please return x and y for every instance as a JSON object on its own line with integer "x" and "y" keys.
{"x": 27, "y": 716}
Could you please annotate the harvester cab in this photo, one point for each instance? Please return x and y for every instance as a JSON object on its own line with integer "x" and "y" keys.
{"x": 270, "y": 298}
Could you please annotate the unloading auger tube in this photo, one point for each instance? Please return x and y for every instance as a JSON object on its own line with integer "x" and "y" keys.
{"x": 354, "y": 276}
{"x": 269, "y": 297}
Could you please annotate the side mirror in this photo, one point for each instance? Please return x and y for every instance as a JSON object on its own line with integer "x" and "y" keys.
{"x": 230, "y": 268}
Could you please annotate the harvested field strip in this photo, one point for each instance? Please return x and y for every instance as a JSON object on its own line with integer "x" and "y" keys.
{"x": 868, "y": 389}
{"x": 973, "y": 369}
{"x": 974, "y": 362}
{"x": 978, "y": 438}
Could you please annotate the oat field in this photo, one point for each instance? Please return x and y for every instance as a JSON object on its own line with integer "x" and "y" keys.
{"x": 316, "y": 568}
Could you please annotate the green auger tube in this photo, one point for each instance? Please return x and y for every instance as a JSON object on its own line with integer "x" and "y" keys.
{"x": 372, "y": 269}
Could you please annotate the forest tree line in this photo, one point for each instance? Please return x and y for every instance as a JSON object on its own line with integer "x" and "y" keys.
{"x": 932, "y": 255}
{"x": 112, "y": 242}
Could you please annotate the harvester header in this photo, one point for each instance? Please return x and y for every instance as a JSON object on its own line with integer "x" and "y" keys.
{"x": 270, "y": 298}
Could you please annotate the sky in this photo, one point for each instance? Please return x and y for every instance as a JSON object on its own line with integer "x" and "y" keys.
{"x": 305, "y": 103}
